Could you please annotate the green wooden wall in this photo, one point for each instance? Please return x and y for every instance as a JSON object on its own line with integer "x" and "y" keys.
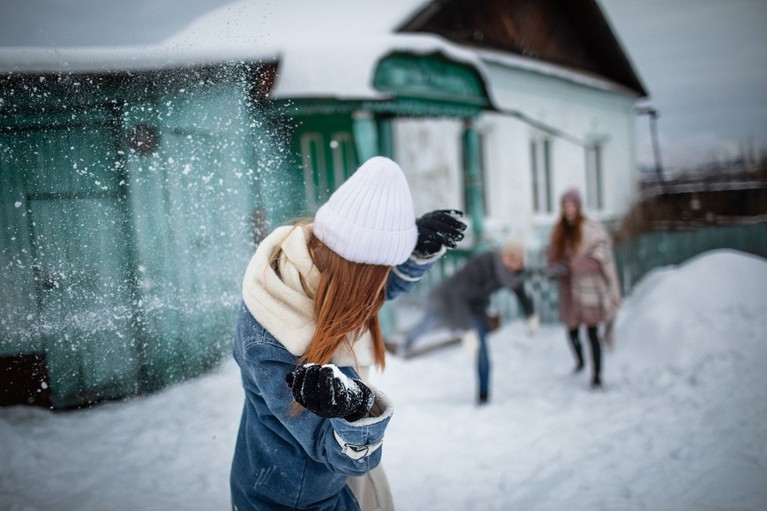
{"x": 124, "y": 266}
{"x": 65, "y": 251}
{"x": 191, "y": 203}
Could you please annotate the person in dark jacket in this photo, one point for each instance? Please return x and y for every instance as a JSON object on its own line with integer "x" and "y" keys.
{"x": 460, "y": 302}
{"x": 312, "y": 427}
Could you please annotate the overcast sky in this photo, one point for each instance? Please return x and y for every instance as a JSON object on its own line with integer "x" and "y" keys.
{"x": 704, "y": 62}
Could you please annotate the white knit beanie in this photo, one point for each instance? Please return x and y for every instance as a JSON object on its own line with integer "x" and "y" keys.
{"x": 370, "y": 218}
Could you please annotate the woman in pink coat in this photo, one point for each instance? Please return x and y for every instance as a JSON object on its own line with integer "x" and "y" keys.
{"x": 581, "y": 258}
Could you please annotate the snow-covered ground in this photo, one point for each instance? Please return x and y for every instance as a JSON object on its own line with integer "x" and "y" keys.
{"x": 680, "y": 425}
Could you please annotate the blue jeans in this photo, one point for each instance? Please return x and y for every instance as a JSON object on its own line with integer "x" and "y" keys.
{"x": 483, "y": 354}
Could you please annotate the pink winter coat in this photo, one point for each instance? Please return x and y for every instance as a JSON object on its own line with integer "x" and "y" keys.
{"x": 590, "y": 294}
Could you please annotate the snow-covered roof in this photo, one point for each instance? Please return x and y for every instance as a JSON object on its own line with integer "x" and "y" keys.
{"x": 347, "y": 69}
{"x": 246, "y": 30}
{"x": 324, "y": 49}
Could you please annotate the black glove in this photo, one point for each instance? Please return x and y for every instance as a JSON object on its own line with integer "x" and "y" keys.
{"x": 320, "y": 390}
{"x": 557, "y": 271}
{"x": 437, "y": 229}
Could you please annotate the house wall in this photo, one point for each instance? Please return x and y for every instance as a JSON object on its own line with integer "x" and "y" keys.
{"x": 586, "y": 113}
{"x": 192, "y": 204}
{"x": 65, "y": 254}
{"x": 123, "y": 267}
{"x": 430, "y": 153}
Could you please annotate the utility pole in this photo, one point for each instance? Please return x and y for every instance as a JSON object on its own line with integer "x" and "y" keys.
{"x": 653, "y": 114}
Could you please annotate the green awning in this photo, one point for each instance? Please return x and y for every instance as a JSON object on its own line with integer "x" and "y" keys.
{"x": 432, "y": 78}
{"x": 413, "y": 86}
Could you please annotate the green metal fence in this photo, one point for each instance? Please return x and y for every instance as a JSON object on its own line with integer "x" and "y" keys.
{"x": 634, "y": 259}
{"x": 638, "y": 256}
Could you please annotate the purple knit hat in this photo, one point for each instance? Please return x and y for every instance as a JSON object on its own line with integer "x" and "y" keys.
{"x": 572, "y": 195}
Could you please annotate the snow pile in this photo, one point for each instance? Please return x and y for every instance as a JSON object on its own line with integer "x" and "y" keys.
{"x": 678, "y": 317}
{"x": 680, "y": 424}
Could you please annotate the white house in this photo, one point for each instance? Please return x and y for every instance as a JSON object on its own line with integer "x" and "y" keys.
{"x": 564, "y": 93}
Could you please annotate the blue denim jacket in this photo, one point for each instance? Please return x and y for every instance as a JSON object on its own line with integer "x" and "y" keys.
{"x": 286, "y": 461}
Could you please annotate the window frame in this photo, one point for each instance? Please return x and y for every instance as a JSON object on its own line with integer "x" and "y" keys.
{"x": 541, "y": 173}
{"x": 594, "y": 169}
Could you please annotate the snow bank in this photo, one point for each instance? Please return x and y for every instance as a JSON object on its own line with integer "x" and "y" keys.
{"x": 673, "y": 312}
{"x": 679, "y": 425}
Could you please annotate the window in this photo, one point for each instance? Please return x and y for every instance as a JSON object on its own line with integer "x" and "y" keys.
{"x": 594, "y": 184}
{"x": 315, "y": 174}
{"x": 540, "y": 167}
{"x": 342, "y": 151}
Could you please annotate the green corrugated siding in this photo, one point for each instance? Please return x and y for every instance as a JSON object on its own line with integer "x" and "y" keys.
{"x": 125, "y": 269}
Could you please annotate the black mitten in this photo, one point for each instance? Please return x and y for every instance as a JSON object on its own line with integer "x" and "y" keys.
{"x": 327, "y": 392}
{"x": 437, "y": 229}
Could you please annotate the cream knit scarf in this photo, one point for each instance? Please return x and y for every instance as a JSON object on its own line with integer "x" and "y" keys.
{"x": 278, "y": 301}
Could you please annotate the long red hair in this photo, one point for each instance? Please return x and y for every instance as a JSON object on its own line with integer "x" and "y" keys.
{"x": 566, "y": 237}
{"x": 346, "y": 304}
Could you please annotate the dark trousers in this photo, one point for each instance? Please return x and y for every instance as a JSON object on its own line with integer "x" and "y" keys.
{"x": 596, "y": 350}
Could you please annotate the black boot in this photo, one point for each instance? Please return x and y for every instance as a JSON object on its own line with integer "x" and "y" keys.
{"x": 596, "y": 356}
{"x": 483, "y": 397}
{"x": 575, "y": 342}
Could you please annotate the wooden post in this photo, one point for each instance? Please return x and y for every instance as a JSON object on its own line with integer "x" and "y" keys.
{"x": 365, "y": 134}
{"x": 472, "y": 172}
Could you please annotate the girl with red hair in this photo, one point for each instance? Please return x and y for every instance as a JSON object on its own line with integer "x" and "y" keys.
{"x": 581, "y": 259}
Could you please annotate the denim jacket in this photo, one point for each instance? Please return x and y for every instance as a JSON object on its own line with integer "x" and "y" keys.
{"x": 285, "y": 460}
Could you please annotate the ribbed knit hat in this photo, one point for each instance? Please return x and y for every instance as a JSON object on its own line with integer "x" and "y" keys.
{"x": 572, "y": 195}
{"x": 370, "y": 218}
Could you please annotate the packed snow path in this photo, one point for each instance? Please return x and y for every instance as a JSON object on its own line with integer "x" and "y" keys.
{"x": 681, "y": 423}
